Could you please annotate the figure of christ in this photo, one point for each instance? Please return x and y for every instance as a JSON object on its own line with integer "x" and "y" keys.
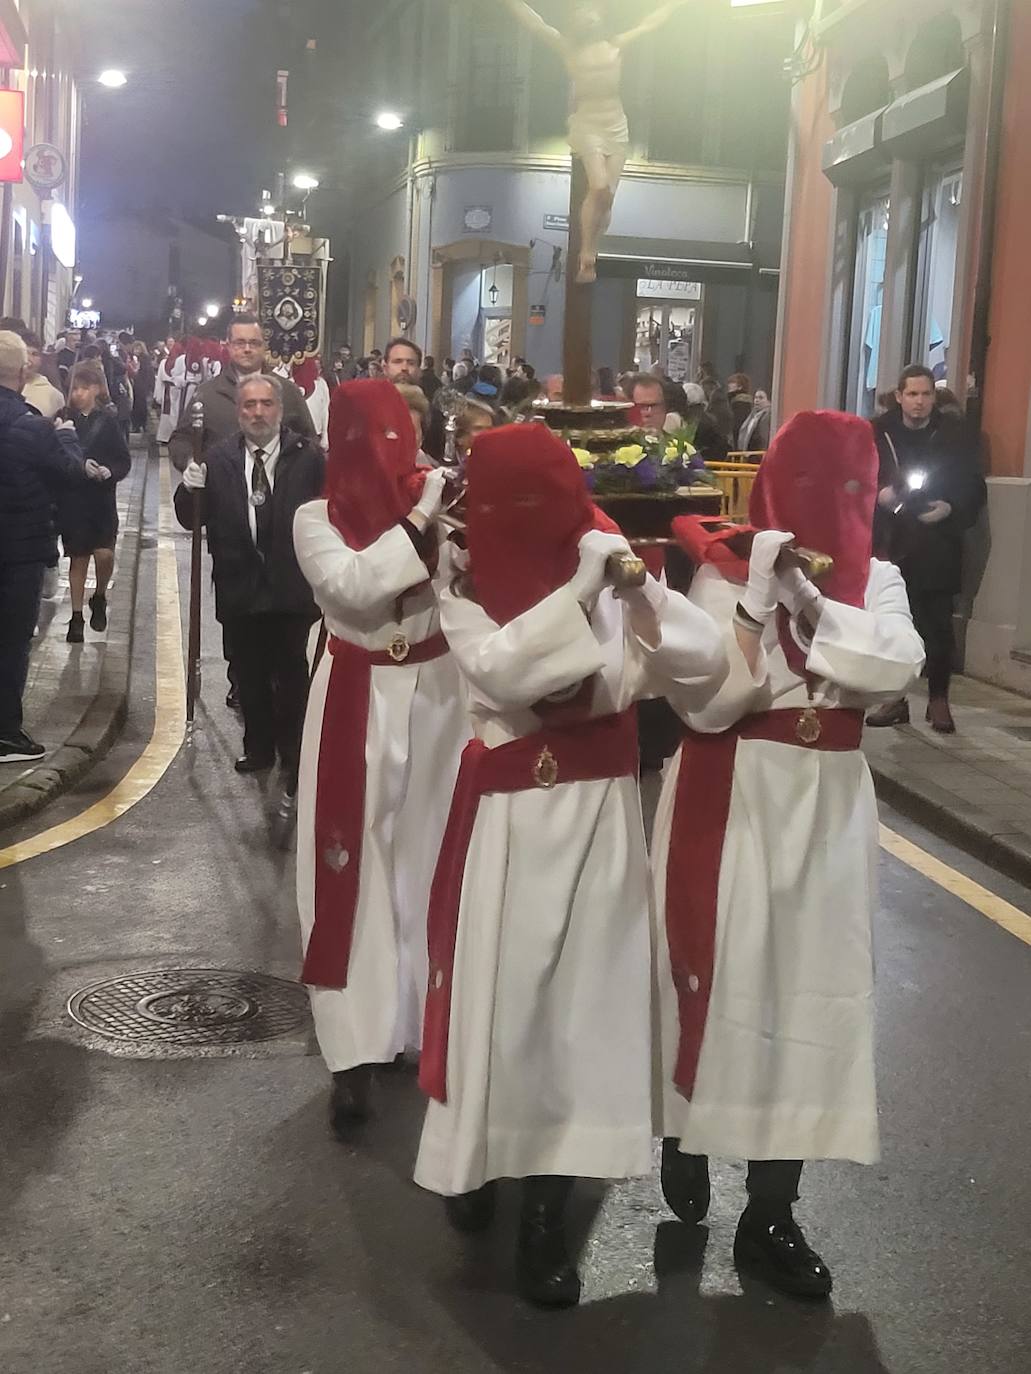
{"x": 598, "y": 133}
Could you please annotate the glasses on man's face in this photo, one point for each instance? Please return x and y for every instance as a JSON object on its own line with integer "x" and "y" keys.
{"x": 649, "y": 405}
{"x": 249, "y": 344}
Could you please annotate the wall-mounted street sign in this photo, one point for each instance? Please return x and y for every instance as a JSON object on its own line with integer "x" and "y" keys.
{"x": 538, "y": 313}
{"x": 560, "y": 223}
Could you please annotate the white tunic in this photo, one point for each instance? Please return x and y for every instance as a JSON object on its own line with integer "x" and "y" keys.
{"x": 418, "y": 726}
{"x": 549, "y": 1062}
{"x": 786, "y": 1069}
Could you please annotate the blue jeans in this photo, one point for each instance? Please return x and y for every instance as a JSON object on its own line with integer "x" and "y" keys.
{"x": 20, "y": 588}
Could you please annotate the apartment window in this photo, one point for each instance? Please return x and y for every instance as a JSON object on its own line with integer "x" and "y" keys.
{"x": 486, "y": 120}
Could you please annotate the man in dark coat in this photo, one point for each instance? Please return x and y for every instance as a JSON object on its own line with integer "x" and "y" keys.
{"x": 252, "y": 484}
{"x": 931, "y": 491}
{"x": 248, "y": 357}
{"x": 37, "y": 463}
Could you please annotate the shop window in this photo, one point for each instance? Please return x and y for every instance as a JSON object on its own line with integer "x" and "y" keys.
{"x": 668, "y": 327}
{"x": 936, "y": 50}
{"x": 867, "y": 299}
{"x": 936, "y": 269}
{"x": 495, "y": 323}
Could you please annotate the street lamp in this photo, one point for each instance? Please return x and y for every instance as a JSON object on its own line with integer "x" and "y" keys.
{"x": 87, "y": 303}
{"x": 212, "y": 309}
{"x": 112, "y": 78}
{"x": 304, "y": 181}
{"x": 202, "y": 320}
{"x": 389, "y": 120}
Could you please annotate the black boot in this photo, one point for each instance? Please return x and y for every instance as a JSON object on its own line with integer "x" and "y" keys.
{"x": 98, "y": 612}
{"x": 349, "y": 1103}
{"x": 770, "y": 1244}
{"x": 545, "y": 1273}
{"x": 76, "y": 629}
{"x": 685, "y": 1182}
{"x": 472, "y": 1212}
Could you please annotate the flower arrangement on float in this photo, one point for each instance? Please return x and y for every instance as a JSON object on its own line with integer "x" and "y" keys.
{"x": 648, "y": 463}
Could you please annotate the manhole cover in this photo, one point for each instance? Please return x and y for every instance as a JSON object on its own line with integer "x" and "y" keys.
{"x": 192, "y": 1006}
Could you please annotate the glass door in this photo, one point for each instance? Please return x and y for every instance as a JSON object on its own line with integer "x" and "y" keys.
{"x": 936, "y": 269}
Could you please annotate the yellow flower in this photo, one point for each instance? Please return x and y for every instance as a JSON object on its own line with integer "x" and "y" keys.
{"x": 583, "y": 457}
{"x": 629, "y": 455}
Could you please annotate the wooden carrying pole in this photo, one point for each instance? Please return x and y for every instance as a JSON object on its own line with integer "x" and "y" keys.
{"x": 576, "y": 338}
{"x": 193, "y": 643}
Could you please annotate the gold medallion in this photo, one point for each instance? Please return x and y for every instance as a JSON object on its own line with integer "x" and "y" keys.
{"x": 808, "y": 727}
{"x": 545, "y": 770}
{"x": 399, "y": 648}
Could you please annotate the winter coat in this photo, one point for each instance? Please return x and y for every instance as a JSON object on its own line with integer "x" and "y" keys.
{"x": 245, "y": 583}
{"x": 88, "y": 513}
{"x": 37, "y": 464}
{"x": 946, "y": 455}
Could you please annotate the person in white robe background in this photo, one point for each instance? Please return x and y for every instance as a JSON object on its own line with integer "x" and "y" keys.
{"x": 537, "y": 1047}
{"x": 384, "y": 730}
{"x": 765, "y": 853}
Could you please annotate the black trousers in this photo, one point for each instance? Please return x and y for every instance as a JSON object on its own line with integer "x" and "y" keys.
{"x": 20, "y": 588}
{"x": 932, "y": 616}
{"x": 269, "y": 659}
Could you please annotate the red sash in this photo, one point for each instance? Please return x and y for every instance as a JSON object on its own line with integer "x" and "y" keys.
{"x": 340, "y": 798}
{"x": 699, "y": 826}
{"x": 591, "y": 750}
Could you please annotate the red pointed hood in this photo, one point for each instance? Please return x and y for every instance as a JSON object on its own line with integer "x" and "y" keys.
{"x": 372, "y": 481}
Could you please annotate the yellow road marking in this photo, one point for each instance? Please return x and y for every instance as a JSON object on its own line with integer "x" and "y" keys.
{"x": 169, "y": 711}
{"x": 1003, "y": 913}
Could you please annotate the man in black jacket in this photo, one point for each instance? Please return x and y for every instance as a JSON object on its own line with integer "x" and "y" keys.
{"x": 37, "y": 461}
{"x": 930, "y": 491}
{"x": 252, "y": 484}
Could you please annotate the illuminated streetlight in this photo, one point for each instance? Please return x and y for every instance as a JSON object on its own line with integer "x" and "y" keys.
{"x": 87, "y": 303}
{"x": 202, "y": 320}
{"x": 304, "y": 181}
{"x": 268, "y": 209}
{"x": 212, "y": 309}
{"x": 113, "y": 78}
{"x": 388, "y": 120}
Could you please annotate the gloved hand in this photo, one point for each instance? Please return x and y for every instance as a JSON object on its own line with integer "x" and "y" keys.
{"x": 762, "y": 595}
{"x": 798, "y": 594}
{"x": 428, "y": 506}
{"x": 935, "y": 513}
{"x": 195, "y": 476}
{"x": 93, "y": 470}
{"x": 596, "y": 548}
{"x": 65, "y": 424}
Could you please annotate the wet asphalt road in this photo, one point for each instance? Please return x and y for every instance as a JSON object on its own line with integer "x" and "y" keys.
{"x": 162, "y": 1215}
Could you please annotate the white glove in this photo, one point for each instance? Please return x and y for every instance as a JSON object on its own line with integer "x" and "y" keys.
{"x": 596, "y": 548}
{"x": 64, "y": 424}
{"x": 935, "y": 512}
{"x": 762, "y": 595}
{"x": 195, "y": 476}
{"x": 430, "y": 502}
{"x": 798, "y": 594}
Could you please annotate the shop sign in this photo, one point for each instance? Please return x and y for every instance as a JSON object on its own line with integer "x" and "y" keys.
{"x": 538, "y": 313}
{"x": 12, "y": 135}
{"x": 45, "y": 167}
{"x": 560, "y": 223}
{"x": 667, "y": 288}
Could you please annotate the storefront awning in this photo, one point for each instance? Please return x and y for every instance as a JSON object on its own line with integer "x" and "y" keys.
{"x": 678, "y": 259}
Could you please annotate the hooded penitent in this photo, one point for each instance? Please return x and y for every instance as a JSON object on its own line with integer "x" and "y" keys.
{"x": 527, "y": 509}
{"x": 372, "y": 480}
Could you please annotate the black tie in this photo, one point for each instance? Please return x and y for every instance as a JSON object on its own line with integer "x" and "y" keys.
{"x": 262, "y": 506}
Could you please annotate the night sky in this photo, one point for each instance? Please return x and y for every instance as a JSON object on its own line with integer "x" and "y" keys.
{"x": 188, "y": 132}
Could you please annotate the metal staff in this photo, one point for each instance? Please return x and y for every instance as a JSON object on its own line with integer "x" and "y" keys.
{"x": 193, "y": 647}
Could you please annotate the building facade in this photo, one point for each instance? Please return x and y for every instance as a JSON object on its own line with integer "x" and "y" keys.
{"x": 905, "y": 240}
{"x": 38, "y": 250}
{"x": 455, "y": 226}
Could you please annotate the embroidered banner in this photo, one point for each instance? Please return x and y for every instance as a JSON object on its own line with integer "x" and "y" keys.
{"x": 289, "y": 307}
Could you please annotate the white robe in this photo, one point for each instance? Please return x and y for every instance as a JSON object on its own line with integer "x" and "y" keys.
{"x": 549, "y": 1062}
{"x": 418, "y": 726}
{"x": 169, "y": 386}
{"x": 786, "y": 1069}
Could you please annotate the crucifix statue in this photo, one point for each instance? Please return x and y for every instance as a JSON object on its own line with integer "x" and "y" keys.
{"x": 598, "y": 133}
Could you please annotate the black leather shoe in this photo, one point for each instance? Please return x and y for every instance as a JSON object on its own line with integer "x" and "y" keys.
{"x": 472, "y": 1212}
{"x": 685, "y": 1182}
{"x": 76, "y": 629}
{"x": 776, "y": 1251}
{"x": 253, "y": 763}
{"x": 98, "y": 612}
{"x": 349, "y": 1101}
{"x": 233, "y": 698}
{"x": 546, "y": 1275}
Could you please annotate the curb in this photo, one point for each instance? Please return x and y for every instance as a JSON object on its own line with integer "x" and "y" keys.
{"x": 103, "y": 719}
{"x": 1009, "y": 854}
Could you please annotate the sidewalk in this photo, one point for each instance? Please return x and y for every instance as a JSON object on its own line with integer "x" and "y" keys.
{"x": 974, "y": 787}
{"x": 77, "y": 695}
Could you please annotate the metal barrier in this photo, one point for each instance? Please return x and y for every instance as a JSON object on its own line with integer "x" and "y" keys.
{"x": 734, "y": 479}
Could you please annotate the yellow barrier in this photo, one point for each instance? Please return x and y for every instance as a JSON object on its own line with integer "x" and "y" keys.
{"x": 734, "y": 480}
